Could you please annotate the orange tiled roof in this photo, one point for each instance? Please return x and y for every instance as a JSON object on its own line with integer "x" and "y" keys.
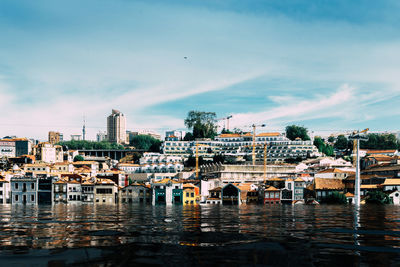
{"x": 333, "y": 170}
{"x": 392, "y": 182}
{"x": 328, "y": 183}
{"x": 271, "y": 188}
{"x": 267, "y": 134}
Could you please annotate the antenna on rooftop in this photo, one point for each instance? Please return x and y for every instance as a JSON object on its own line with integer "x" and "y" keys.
{"x": 83, "y": 129}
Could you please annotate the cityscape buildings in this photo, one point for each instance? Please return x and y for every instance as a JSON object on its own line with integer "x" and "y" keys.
{"x": 116, "y": 127}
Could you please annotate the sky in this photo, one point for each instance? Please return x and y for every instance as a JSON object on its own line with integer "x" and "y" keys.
{"x": 326, "y": 65}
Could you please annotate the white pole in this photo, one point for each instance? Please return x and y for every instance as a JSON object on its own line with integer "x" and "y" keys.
{"x": 357, "y": 181}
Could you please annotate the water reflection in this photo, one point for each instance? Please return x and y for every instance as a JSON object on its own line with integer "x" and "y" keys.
{"x": 249, "y": 234}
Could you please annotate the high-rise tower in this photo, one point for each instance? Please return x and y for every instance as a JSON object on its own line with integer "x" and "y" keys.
{"x": 116, "y": 127}
{"x": 83, "y": 129}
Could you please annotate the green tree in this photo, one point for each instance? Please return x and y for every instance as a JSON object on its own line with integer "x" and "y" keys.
{"x": 335, "y": 198}
{"x": 79, "y": 158}
{"x": 203, "y": 124}
{"x": 331, "y": 139}
{"x": 380, "y": 141}
{"x": 146, "y": 142}
{"x": 377, "y": 197}
{"x": 294, "y": 131}
{"x": 188, "y": 137}
{"x": 73, "y": 144}
{"x": 322, "y": 147}
{"x": 341, "y": 142}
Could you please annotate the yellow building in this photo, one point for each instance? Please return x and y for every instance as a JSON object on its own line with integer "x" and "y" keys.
{"x": 190, "y": 194}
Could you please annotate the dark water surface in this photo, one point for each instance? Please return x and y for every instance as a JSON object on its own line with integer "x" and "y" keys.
{"x": 129, "y": 235}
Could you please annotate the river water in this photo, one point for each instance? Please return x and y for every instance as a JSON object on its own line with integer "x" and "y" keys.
{"x": 249, "y": 235}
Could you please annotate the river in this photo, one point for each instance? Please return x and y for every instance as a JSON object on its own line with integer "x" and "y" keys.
{"x": 249, "y": 235}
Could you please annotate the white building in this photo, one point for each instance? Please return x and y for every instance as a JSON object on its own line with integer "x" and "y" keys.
{"x": 178, "y": 134}
{"x": 101, "y": 136}
{"x": 278, "y": 147}
{"x": 7, "y": 148}
{"x": 48, "y": 153}
{"x": 23, "y": 190}
{"x": 395, "y": 197}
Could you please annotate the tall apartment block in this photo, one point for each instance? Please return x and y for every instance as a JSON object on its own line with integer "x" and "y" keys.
{"x": 116, "y": 127}
{"x": 55, "y": 137}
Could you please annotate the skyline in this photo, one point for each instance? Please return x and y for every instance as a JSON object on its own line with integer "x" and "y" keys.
{"x": 322, "y": 65}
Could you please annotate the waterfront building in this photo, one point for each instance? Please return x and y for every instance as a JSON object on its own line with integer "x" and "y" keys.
{"x": 190, "y": 194}
{"x": 324, "y": 187}
{"x": 60, "y": 191}
{"x": 116, "y": 127}
{"x": 395, "y": 197}
{"x": 87, "y": 191}
{"x": 135, "y": 193}
{"x": 272, "y": 195}
{"x": 74, "y": 192}
{"x": 299, "y": 185}
{"x": 4, "y": 190}
{"x": 167, "y": 191}
{"x": 23, "y": 190}
{"x": 214, "y": 196}
{"x": 230, "y": 194}
{"x": 106, "y": 191}
{"x": 45, "y": 189}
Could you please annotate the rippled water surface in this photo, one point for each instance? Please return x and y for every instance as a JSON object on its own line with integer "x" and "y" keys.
{"x": 277, "y": 235}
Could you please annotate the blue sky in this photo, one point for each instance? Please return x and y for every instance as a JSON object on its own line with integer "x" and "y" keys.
{"x": 327, "y": 65}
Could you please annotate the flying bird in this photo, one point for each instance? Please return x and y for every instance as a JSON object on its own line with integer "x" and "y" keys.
{"x": 185, "y": 57}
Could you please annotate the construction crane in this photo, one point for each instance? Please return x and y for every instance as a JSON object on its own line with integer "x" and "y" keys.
{"x": 226, "y": 121}
{"x": 358, "y": 136}
{"x": 197, "y": 158}
{"x": 254, "y": 126}
{"x": 265, "y": 158}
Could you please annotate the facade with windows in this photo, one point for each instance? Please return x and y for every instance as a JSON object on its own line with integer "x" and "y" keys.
{"x": 167, "y": 191}
{"x": 87, "y": 191}
{"x": 60, "y": 191}
{"x": 4, "y": 191}
{"x": 74, "y": 192}
{"x": 23, "y": 190}
{"x": 135, "y": 193}
{"x": 278, "y": 148}
{"x": 105, "y": 191}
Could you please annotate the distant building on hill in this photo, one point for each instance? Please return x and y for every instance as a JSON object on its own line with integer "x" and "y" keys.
{"x": 116, "y": 127}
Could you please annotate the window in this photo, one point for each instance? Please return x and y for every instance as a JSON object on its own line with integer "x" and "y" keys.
{"x": 16, "y": 197}
{"x": 192, "y": 194}
{"x": 187, "y": 194}
{"x": 32, "y": 198}
{"x": 32, "y": 186}
{"x": 103, "y": 190}
{"x": 16, "y": 185}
